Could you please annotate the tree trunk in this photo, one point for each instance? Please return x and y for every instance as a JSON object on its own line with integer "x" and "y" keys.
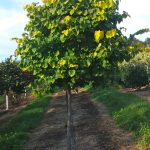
{"x": 7, "y": 102}
{"x": 67, "y": 101}
{"x": 69, "y": 121}
{"x": 25, "y": 93}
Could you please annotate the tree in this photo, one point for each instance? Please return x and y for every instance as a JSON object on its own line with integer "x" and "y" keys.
{"x": 135, "y": 45}
{"x": 147, "y": 42}
{"x": 71, "y": 43}
{"x": 12, "y": 78}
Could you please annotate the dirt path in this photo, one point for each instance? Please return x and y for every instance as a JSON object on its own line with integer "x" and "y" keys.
{"x": 51, "y": 134}
{"x": 144, "y": 93}
{"x": 94, "y": 128}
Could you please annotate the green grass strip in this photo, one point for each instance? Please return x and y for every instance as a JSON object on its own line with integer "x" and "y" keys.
{"x": 15, "y": 132}
{"x": 128, "y": 110}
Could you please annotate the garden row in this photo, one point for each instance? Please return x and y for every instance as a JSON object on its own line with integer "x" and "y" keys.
{"x": 130, "y": 112}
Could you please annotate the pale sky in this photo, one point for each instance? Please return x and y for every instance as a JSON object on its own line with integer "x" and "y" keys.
{"x": 13, "y": 19}
{"x": 139, "y": 10}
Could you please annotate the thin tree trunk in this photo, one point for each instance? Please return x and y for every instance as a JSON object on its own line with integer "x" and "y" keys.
{"x": 69, "y": 121}
{"x": 25, "y": 93}
{"x": 66, "y": 101}
{"x": 7, "y": 102}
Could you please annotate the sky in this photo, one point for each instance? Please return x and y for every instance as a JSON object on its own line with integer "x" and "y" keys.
{"x": 13, "y": 19}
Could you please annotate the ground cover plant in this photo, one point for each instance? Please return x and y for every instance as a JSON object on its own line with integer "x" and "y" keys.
{"x": 129, "y": 111}
{"x": 15, "y": 132}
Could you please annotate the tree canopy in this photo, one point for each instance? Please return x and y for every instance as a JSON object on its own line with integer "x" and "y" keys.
{"x": 72, "y": 42}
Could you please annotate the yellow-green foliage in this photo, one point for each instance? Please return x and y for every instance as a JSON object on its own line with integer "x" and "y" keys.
{"x": 65, "y": 40}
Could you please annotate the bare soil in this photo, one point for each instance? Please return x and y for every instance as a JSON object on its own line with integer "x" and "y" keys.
{"x": 143, "y": 92}
{"x": 93, "y": 127}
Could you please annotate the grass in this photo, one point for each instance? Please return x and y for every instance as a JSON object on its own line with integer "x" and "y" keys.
{"x": 2, "y": 100}
{"x": 128, "y": 110}
{"x": 15, "y": 132}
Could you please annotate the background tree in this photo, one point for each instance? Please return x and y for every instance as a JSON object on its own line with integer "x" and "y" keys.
{"x": 147, "y": 42}
{"x": 71, "y": 43}
{"x": 136, "y": 50}
{"x": 12, "y": 78}
{"x": 135, "y": 72}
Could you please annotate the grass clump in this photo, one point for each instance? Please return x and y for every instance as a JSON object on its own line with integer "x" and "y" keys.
{"x": 128, "y": 110}
{"x": 14, "y": 134}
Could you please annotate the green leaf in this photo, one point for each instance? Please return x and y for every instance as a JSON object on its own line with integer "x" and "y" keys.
{"x": 52, "y": 80}
{"x": 72, "y": 73}
{"x": 57, "y": 53}
{"x": 53, "y": 65}
{"x": 62, "y": 38}
{"x": 88, "y": 62}
{"x": 72, "y": 12}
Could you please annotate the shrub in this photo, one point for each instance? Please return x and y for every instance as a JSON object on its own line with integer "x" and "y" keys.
{"x": 136, "y": 72}
{"x": 136, "y": 75}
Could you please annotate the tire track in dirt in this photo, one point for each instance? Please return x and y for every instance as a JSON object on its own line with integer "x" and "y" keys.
{"x": 51, "y": 133}
{"x": 93, "y": 127}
